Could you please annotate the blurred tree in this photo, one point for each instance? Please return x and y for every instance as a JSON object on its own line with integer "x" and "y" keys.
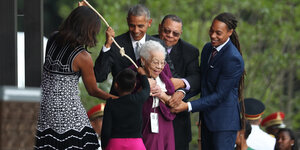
{"x": 52, "y": 19}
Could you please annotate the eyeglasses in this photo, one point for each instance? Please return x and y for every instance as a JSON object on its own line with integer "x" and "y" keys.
{"x": 158, "y": 63}
{"x": 167, "y": 31}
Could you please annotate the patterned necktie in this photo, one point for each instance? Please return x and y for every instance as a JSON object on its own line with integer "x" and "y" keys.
{"x": 213, "y": 54}
{"x": 171, "y": 65}
{"x": 137, "y": 52}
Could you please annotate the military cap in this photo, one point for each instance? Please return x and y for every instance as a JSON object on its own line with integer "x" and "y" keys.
{"x": 96, "y": 111}
{"x": 273, "y": 119}
{"x": 253, "y": 108}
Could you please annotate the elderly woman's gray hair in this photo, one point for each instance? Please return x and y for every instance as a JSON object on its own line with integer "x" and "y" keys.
{"x": 151, "y": 46}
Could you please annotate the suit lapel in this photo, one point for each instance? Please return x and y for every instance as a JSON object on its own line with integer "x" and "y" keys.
{"x": 128, "y": 47}
{"x": 148, "y": 37}
{"x": 175, "y": 53}
{"x": 207, "y": 64}
{"x": 219, "y": 54}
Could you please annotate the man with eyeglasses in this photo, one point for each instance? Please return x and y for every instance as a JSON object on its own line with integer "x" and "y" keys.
{"x": 184, "y": 57}
{"x": 110, "y": 59}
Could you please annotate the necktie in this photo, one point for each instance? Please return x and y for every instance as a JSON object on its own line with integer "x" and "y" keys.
{"x": 171, "y": 65}
{"x": 137, "y": 52}
{"x": 213, "y": 54}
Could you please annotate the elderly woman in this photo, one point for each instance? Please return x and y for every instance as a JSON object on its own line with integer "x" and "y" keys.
{"x": 158, "y": 132}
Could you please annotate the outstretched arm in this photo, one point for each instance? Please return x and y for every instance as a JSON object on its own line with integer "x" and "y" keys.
{"x": 83, "y": 63}
{"x": 183, "y": 106}
{"x": 176, "y": 98}
{"x": 227, "y": 81}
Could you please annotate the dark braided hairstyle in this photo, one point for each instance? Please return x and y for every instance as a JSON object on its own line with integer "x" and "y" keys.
{"x": 231, "y": 23}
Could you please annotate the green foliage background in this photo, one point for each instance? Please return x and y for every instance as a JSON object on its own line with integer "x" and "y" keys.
{"x": 268, "y": 32}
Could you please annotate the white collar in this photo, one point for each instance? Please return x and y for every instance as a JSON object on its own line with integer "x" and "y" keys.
{"x": 221, "y": 46}
{"x": 255, "y": 126}
{"x": 141, "y": 41}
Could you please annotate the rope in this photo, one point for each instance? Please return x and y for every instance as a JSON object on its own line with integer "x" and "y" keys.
{"x": 122, "y": 51}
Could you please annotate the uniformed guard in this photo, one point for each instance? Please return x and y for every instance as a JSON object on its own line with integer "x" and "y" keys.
{"x": 258, "y": 139}
{"x": 273, "y": 123}
{"x": 95, "y": 115}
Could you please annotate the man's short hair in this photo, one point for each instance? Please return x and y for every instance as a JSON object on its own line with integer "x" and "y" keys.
{"x": 139, "y": 10}
{"x": 172, "y": 17}
{"x": 254, "y": 122}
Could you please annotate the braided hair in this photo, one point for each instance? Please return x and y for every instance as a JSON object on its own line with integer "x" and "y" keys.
{"x": 231, "y": 23}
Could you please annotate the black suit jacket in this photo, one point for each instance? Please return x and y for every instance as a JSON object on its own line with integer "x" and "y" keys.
{"x": 185, "y": 58}
{"x": 112, "y": 61}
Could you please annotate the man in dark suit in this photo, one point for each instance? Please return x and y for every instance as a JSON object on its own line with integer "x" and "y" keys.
{"x": 110, "y": 59}
{"x": 184, "y": 57}
{"x": 222, "y": 71}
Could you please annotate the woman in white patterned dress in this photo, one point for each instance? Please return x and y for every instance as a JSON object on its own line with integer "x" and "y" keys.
{"x": 62, "y": 122}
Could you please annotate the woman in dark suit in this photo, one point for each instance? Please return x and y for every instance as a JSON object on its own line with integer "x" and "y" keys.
{"x": 222, "y": 74}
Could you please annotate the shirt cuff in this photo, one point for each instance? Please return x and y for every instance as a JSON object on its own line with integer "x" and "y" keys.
{"x": 189, "y": 106}
{"x": 180, "y": 90}
{"x": 187, "y": 85}
{"x": 104, "y": 49}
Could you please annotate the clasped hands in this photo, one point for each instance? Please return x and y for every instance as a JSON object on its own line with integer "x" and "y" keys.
{"x": 174, "y": 102}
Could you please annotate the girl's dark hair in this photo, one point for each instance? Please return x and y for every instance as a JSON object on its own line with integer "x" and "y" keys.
{"x": 292, "y": 136}
{"x": 80, "y": 28}
{"x": 231, "y": 23}
{"x": 126, "y": 80}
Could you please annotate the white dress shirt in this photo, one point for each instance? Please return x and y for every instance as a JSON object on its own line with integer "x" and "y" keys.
{"x": 141, "y": 42}
{"x": 133, "y": 42}
{"x": 260, "y": 140}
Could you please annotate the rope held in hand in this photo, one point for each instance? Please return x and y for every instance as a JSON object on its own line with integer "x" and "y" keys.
{"x": 122, "y": 51}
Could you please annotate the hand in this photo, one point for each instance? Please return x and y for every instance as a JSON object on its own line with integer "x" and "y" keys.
{"x": 178, "y": 83}
{"x": 113, "y": 96}
{"x": 164, "y": 97}
{"x": 152, "y": 83}
{"x": 176, "y": 99}
{"x": 156, "y": 91}
{"x": 82, "y": 3}
{"x": 110, "y": 33}
{"x": 183, "y": 106}
{"x": 141, "y": 71}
